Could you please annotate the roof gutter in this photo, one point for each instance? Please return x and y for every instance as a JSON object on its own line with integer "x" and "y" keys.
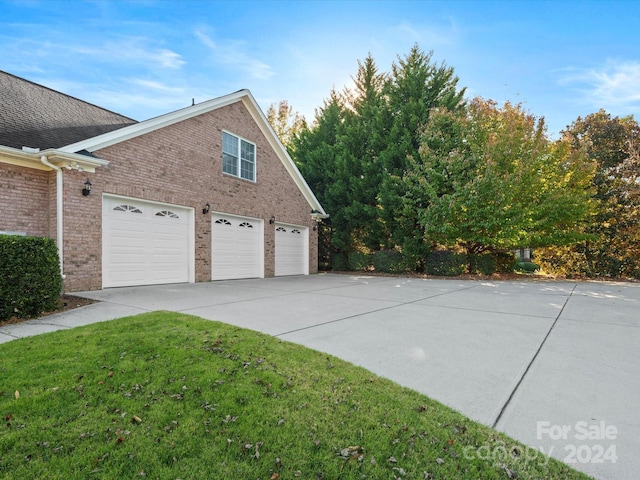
{"x": 59, "y": 211}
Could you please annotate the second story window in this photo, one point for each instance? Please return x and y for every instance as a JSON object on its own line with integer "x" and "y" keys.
{"x": 238, "y": 157}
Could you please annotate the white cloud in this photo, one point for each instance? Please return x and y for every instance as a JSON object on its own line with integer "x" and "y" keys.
{"x": 168, "y": 59}
{"x": 157, "y": 86}
{"x": 233, "y": 53}
{"x": 133, "y": 51}
{"x": 614, "y": 85}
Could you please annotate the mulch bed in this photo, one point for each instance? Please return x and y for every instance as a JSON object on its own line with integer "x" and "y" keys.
{"x": 69, "y": 302}
{"x": 495, "y": 277}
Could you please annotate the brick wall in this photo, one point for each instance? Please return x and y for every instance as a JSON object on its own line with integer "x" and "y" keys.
{"x": 25, "y": 199}
{"x": 182, "y": 164}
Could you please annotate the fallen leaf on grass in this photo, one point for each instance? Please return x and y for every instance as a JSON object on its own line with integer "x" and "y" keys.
{"x": 510, "y": 473}
{"x": 16, "y": 394}
{"x": 350, "y": 452}
{"x": 136, "y": 419}
{"x": 399, "y": 471}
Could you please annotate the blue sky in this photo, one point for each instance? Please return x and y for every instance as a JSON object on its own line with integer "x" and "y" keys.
{"x": 561, "y": 59}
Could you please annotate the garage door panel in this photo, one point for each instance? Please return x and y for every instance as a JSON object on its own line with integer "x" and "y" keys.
{"x": 236, "y": 247}
{"x": 291, "y": 250}
{"x": 144, "y": 243}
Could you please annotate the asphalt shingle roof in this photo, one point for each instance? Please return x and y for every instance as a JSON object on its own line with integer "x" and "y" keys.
{"x": 35, "y": 116}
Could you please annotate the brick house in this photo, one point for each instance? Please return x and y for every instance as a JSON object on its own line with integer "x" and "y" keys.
{"x": 204, "y": 193}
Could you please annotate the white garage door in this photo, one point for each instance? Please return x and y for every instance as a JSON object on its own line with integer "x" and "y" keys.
{"x": 144, "y": 243}
{"x": 291, "y": 250}
{"x": 236, "y": 247}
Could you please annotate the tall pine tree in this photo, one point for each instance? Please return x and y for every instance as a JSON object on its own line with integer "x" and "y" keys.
{"x": 417, "y": 86}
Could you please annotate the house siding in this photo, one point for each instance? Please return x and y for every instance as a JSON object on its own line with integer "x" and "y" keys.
{"x": 25, "y": 196}
{"x": 181, "y": 164}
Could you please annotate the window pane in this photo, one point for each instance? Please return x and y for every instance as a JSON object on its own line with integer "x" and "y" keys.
{"x": 247, "y": 160}
{"x": 230, "y": 164}
{"x": 229, "y": 144}
{"x": 248, "y": 170}
{"x": 229, "y": 154}
{"x": 247, "y": 151}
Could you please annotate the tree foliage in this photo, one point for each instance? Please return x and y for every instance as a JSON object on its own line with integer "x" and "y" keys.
{"x": 402, "y": 163}
{"x": 614, "y": 246}
{"x": 489, "y": 179}
{"x": 376, "y": 126}
{"x": 285, "y": 122}
{"x": 417, "y": 85}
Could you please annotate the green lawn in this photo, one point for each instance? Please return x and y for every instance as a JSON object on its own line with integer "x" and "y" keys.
{"x": 165, "y": 395}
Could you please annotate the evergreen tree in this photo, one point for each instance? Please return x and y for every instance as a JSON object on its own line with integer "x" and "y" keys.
{"x": 416, "y": 86}
{"x": 315, "y": 152}
{"x": 361, "y": 142}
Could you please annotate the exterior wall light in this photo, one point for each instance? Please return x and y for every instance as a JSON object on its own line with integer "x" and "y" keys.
{"x": 87, "y": 188}
{"x": 206, "y": 208}
{"x": 272, "y": 220}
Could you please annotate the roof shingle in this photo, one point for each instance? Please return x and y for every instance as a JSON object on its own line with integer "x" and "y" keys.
{"x": 35, "y": 116}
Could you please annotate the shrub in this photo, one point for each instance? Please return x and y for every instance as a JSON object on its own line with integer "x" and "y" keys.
{"x": 339, "y": 262}
{"x": 505, "y": 262}
{"x": 30, "y": 281}
{"x": 445, "y": 263}
{"x": 359, "y": 261}
{"x": 484, "y": 263}
{"x": 527, "y": 267}
{"x": 389, "y": 261}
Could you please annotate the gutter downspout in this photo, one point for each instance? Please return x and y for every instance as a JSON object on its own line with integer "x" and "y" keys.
{"x": 59, "y": 210}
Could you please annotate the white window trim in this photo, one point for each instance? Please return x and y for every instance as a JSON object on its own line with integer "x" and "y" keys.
{"x": 239, "y": 165}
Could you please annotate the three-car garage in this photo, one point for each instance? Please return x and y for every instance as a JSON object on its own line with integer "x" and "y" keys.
{"x": 146, "y": 243}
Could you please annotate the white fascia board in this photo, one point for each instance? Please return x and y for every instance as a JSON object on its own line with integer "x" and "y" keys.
{"x": 14, "y": 156}
{"x": 31, "y": 159}
{"x": 132, "y": 131}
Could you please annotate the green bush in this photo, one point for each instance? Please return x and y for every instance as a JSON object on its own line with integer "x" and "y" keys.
{"x": 484, "y": 263}
{"x": 389, "y": 261}
{"x": 359, "y": 261}
{"x": 527, "y": 267}
{"x": 444, "y": 263}
{"x": 339, "y": 262}
{"x": 505, "y": 262}
{"x": 30, "y": 281}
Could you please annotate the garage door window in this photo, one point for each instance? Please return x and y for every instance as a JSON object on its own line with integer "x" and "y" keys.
{"x": 127, "y": 208}
{"x": 167, "y": 213}
{"x": 238, "y": 157}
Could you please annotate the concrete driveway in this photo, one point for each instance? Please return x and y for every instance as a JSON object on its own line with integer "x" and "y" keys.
{"x": 553, "y": 364}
